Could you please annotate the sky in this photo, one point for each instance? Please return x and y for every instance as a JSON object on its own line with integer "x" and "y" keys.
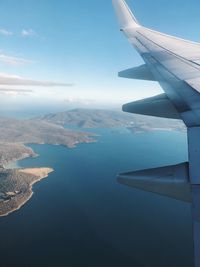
{"x": 79, "y": 42}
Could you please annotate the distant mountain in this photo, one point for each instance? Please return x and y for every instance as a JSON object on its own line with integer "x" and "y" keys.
{"x": 90, "y": 118}
{"x": 96, "y": 118}
{"x": 50, "y": 129}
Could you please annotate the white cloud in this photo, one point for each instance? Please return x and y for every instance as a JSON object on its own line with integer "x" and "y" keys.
{"x": 5, "y": 32}
{"x": 28, "y": 33}
{"x": 79, "y": 101}
{"x": 6, "y": 79}
{"x": 15, "y": 92}
{"x": 14, "y": 61}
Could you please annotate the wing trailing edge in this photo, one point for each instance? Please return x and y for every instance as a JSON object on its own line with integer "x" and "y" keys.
{"x": 140, "y": 73}
{"x": 158, "y": 106}
{"x": 170, "y": 181}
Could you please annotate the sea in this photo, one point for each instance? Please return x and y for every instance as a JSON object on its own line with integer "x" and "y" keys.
{"x": 80, "y": 216}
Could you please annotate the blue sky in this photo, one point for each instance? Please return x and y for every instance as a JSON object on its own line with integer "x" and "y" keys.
{"x": 79, "y": 42}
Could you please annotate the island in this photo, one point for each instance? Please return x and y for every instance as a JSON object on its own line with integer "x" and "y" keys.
{"x": 16, "y": 187}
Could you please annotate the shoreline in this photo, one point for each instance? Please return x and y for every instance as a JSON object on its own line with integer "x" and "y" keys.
{"x": 14, "y": 163}
{"x": 29, "y": 193}
{"x": 18, "y": 208}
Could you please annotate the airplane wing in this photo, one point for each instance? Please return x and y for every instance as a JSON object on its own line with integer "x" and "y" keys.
{"x": 175, "y": 64}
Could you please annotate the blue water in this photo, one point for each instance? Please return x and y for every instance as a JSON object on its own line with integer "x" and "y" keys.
{"x": 81, "y": 217}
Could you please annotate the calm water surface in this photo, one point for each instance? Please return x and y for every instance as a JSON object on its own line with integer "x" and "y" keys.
{"x": 81, "y": 217}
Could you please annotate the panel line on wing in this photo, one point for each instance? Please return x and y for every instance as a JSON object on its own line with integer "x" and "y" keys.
{"x": 185, "y": 60}
{"x": 192, "y": 94}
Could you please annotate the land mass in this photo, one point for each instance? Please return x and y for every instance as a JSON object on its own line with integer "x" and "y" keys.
{"x": 10, "y": 152}
{"x": 16, "y": 184}
{"x": 16, "y": 187}
{"x": 37, "y": 131}
{"x": 96, "y": 118}
{"x": 56, "y": 129}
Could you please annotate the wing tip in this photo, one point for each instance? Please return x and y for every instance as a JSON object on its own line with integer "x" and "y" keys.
{"x": 124, "y": 14}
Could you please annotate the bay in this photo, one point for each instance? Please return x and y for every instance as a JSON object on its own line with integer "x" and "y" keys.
{"x": 81, "y": 216}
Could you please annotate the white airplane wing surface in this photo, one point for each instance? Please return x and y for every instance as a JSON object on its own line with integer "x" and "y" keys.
{"x": 175, "y": 64}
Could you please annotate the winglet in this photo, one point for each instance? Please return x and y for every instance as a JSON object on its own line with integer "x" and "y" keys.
{"x": 124, "y": 14}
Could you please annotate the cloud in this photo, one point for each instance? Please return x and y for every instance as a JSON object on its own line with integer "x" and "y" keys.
{"x": 14, "y": 92}
{"x": 5, "y": 32}
{"x": 6, "y": 79}
{"x": 28, "y": 33}
{"x": 79, "y": 101}
{"x": 14, "y": 61}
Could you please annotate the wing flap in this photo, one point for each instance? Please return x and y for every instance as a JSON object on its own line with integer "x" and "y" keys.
{"x": 158, "y": 106}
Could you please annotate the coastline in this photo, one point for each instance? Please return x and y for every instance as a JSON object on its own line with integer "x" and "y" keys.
{"x": 20, "y": 200}
{"x": 14, "y": 162}
{"x": 17, "y": 200}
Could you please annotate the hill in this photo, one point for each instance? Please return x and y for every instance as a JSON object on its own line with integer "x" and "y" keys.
{"x": 96, "y": 118}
